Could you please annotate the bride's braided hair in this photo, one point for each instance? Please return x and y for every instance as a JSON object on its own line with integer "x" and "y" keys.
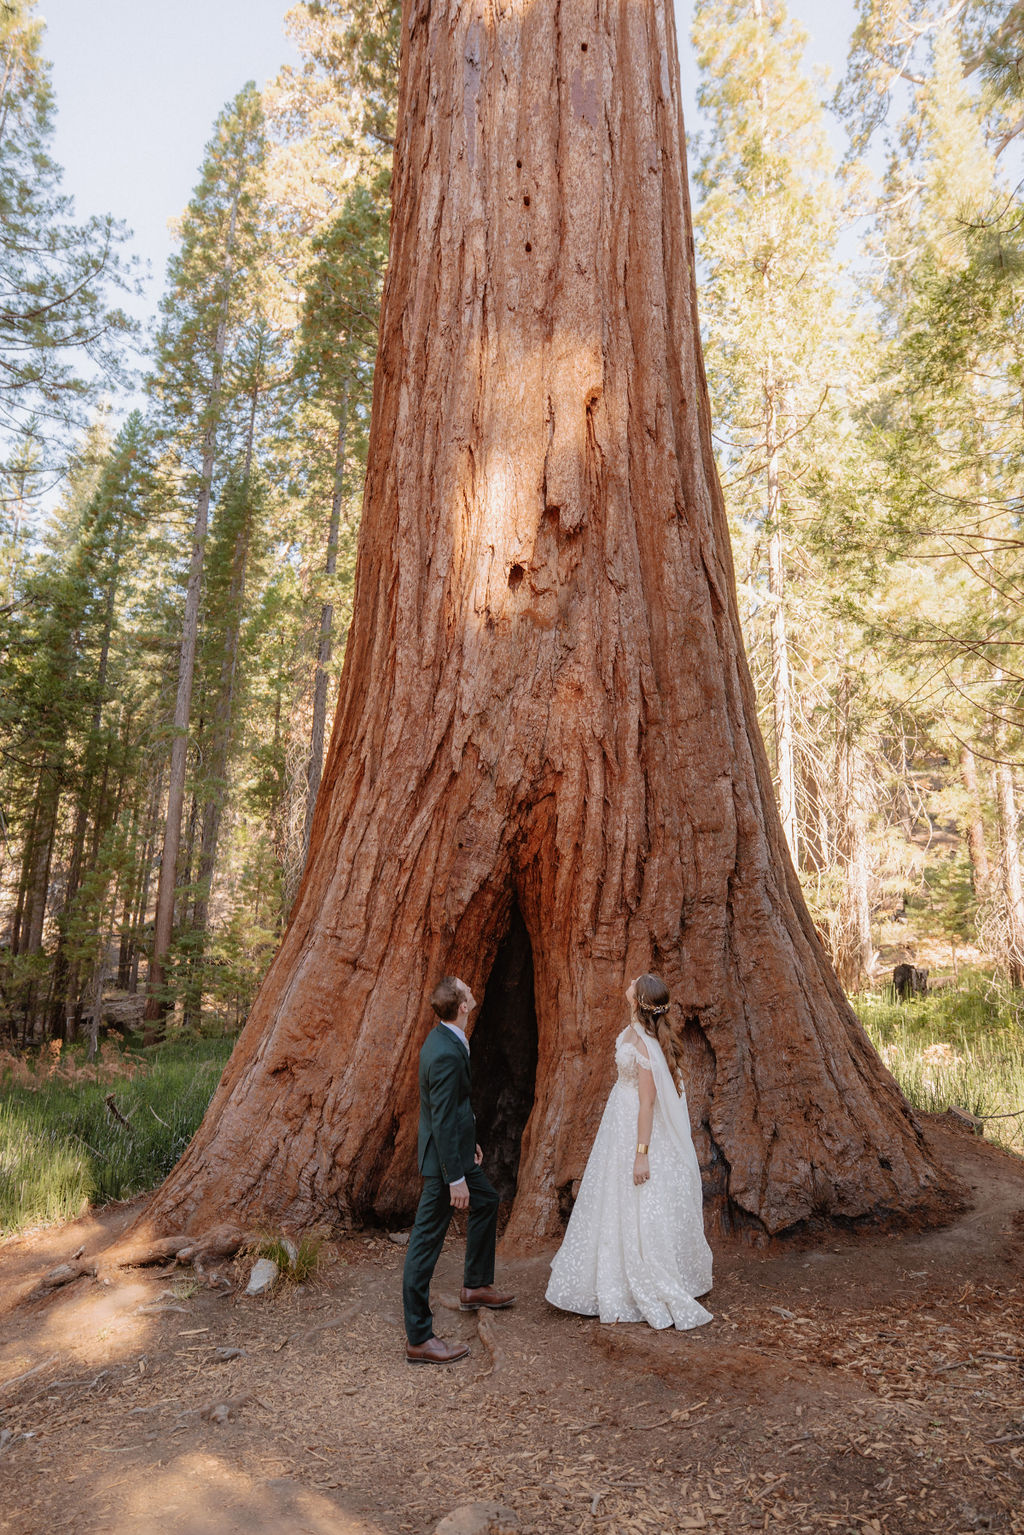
{"x": 652, "y": 1005}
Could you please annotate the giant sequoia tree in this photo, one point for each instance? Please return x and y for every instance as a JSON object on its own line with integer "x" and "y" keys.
{"x": 545, "y": 773}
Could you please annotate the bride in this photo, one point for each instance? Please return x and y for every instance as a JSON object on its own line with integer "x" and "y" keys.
{"x": 634, "y": 1249}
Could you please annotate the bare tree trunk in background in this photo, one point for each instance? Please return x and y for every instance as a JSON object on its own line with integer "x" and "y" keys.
{"x": 1013, "y": 887}
{"x": 156, "y": 1000}
{"x": 782, "y": 688}
{"x": 782, "y": 695}
{"x": 815, "y": 839}
{"x": 99, "y": 976}
{"x": 36, "y": 891}
{"x": 64, "y": 983}
{"x": 1008, "y": 817}
{"x": 142, "y": 905}
{"x": 314, "y": 768}
{"x": 906, "y": 810}
{"x": 981, "y": 874}
{"x": 220, "y": 727}
{"x": 545, "y": 760}
{"x": 38, "y": 881}
{"x": 129, "y": 897}
{"x": 18, "y": 921}
{"x": 853, "y": 951}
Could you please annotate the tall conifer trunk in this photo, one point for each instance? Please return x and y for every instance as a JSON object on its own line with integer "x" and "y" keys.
{"x": 163, "y": 922}
{"x": 546, "y": 745}
{"x": 222, "y": 715}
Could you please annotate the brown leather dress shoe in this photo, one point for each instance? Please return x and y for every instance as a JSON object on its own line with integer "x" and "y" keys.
{"x": 435, "y": 1351}
{"x": 486, "y": 1295}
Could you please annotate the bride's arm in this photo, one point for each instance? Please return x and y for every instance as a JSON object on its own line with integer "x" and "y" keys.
{"x": 644, "y": 1123}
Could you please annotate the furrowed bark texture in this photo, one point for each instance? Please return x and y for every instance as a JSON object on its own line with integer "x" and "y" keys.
{"x": 545, "y": 709}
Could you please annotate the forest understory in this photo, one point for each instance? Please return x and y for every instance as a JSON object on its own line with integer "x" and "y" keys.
{"x": 862, "y": 1382}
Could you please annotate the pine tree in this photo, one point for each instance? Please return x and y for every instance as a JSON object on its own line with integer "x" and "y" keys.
{"x": 945, "y": 481}
{"x": 782, "y": 350}
{"x": 332, "y": 122}
{"x": 236, "y": 546}
{"x": 209, "y": 279}
{"x": 107, "y": 742}
{"x": 54, "y": 684}
{"x": 338, "y": 338}
{"x": 55, "y": 274}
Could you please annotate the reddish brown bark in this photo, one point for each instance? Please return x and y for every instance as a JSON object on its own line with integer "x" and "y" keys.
{"x": 545, "y": 708}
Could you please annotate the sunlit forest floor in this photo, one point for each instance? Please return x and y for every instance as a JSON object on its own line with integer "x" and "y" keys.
{"x": 855, "y": 1381}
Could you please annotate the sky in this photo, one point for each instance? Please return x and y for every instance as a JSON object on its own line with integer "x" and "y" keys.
{"x": 138, "y": 85}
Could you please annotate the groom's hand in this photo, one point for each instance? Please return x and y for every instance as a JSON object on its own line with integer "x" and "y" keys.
{"x": 459, "y": 1194}
{"x": 478, "y": 1156}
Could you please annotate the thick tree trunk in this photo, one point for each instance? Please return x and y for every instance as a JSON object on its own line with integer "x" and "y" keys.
{"x": 546, "y": 731}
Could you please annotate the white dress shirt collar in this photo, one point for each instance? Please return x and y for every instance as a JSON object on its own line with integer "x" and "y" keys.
{"x": 459, "y": 1034}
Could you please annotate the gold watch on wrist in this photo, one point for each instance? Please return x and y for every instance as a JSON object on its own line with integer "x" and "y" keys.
{"x": 641, "y": 1149}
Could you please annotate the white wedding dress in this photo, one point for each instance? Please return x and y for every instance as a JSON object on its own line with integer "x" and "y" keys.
{"x": 637, "y": 1253}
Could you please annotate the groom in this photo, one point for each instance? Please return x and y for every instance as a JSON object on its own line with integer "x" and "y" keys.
{"x": 449, "y": 1160}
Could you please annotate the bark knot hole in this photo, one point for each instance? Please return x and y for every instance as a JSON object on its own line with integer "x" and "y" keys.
{"x": 515, "y": 577}
{"x": 505, "y": 1056}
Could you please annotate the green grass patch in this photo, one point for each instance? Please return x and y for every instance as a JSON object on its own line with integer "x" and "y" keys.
{"x": 962, "y": 1047}
{"x": 299, "y": 1268}
{"x": 61, "y": 1147}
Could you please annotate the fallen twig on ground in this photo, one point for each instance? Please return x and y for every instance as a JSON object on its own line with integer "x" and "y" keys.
{"x": 16, "y": 1380}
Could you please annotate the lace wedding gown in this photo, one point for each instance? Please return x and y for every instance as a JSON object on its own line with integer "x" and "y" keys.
{"x": 632, "y": 1253}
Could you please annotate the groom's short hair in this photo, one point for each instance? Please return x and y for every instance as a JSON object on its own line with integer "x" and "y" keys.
{"x": 447, "y": 998}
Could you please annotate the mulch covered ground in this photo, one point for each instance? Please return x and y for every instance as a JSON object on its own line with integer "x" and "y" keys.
{"x": 866, "y": 1382}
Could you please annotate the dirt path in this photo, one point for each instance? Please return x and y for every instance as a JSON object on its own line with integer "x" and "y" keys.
{"x": 873, "y": 1384}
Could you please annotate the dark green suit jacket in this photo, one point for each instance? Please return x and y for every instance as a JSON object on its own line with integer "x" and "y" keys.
{"x": 447, "y": 1138}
